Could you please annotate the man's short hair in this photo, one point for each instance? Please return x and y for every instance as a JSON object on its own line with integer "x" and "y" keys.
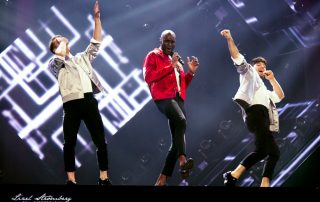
{"x": 258, "y": 59}
{"x": 51, "y": 43}
{"x": 165, "y": 32}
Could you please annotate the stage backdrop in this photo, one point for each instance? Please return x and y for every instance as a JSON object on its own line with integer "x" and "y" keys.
{"x": 137, "y": 133}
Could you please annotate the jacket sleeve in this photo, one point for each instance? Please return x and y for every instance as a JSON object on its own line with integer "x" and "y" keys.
{"x": 153, "y": 73}
{"x": 55, "y": 65}
{"x": 92, "y": 49}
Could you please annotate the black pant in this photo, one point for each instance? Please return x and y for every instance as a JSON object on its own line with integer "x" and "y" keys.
{"x": 174, "y": 110}
{"x": 257, "y": 122}
{"x": 75, "y": 111}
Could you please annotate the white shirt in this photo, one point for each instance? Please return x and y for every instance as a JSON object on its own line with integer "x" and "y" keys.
{"x": 253, "y": 90}
{"x": 85, "y": 80}
{"x": 177, "y": 73}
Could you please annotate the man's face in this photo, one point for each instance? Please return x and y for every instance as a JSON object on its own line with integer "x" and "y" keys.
{"x": 168, "y": 44}
{"x": 260, "y": 68}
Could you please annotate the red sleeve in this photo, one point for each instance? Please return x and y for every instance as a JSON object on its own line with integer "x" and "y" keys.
{"x": 152, "y": 71}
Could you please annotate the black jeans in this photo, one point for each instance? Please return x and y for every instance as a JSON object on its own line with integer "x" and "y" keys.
{"x": 174, "y": 110}
{"x": 257, "y": 122}
{"x": 75, "y": 111}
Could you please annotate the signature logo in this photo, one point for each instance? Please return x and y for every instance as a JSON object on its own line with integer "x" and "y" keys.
{"x": 43, "y": 197}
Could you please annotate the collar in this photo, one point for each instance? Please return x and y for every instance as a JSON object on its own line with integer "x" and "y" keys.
{"x": 159, "y": 52}
{"x": 69, "y": 56}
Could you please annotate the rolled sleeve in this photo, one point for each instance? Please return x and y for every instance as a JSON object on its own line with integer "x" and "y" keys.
{"x": 95, "y": 41}
{"x": 239, "y": 60}
{"x": 274, "y": 97}
{"x": 92, "y": 49}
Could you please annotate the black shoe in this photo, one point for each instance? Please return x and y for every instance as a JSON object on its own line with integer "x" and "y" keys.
{"x": 105, "y": 182}
{"x": 186, "y": 168}
{"x": 229, "y": 180}
{"x": 69, "y": 182}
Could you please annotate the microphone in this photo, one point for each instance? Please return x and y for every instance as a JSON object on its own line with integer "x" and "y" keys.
{"x": 181, "y": 61}
{"x": 179, "y": 58}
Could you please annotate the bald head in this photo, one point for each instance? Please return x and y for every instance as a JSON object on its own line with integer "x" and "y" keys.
{"x": 166, "y": 32}
{"x": 168, "y": 42}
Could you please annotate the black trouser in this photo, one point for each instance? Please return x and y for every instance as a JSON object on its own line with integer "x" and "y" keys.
{"x": 74, "y": 112}
{"x": 174, "y": 110}
{"x": 257, "y": 122}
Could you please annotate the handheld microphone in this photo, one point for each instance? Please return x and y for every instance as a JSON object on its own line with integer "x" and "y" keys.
{"x": 181, "y": 61}
{"x": 179, "y": 58}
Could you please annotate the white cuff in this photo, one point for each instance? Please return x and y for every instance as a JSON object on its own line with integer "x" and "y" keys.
{"x": 239, "y": 60}
{"x": 94, "y": 41}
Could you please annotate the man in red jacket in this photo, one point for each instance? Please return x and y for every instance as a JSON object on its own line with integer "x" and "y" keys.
{"x": 167, "y": 82}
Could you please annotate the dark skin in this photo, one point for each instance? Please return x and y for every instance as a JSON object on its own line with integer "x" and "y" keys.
{"x": 168, "y": 44}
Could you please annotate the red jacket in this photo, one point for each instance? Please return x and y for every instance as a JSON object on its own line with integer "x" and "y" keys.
{"x": 160, "y": 76}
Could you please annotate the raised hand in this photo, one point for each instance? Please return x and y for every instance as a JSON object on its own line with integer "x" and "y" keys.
{"x": 97, "y": 23}
{"x": 96, "y": 10}
{"x": 226, "y": 33}
{"x": 234, "y": 52}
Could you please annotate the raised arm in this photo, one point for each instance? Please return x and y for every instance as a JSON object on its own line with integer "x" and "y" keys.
{"x": 97, "y": 23}
{"x": 93, "y": 48}
{"x": 234, "y": 52}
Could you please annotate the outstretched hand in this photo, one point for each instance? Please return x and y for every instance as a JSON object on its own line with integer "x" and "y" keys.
{"x": 96, "y": 10}
{"x": 193, "y": 64}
